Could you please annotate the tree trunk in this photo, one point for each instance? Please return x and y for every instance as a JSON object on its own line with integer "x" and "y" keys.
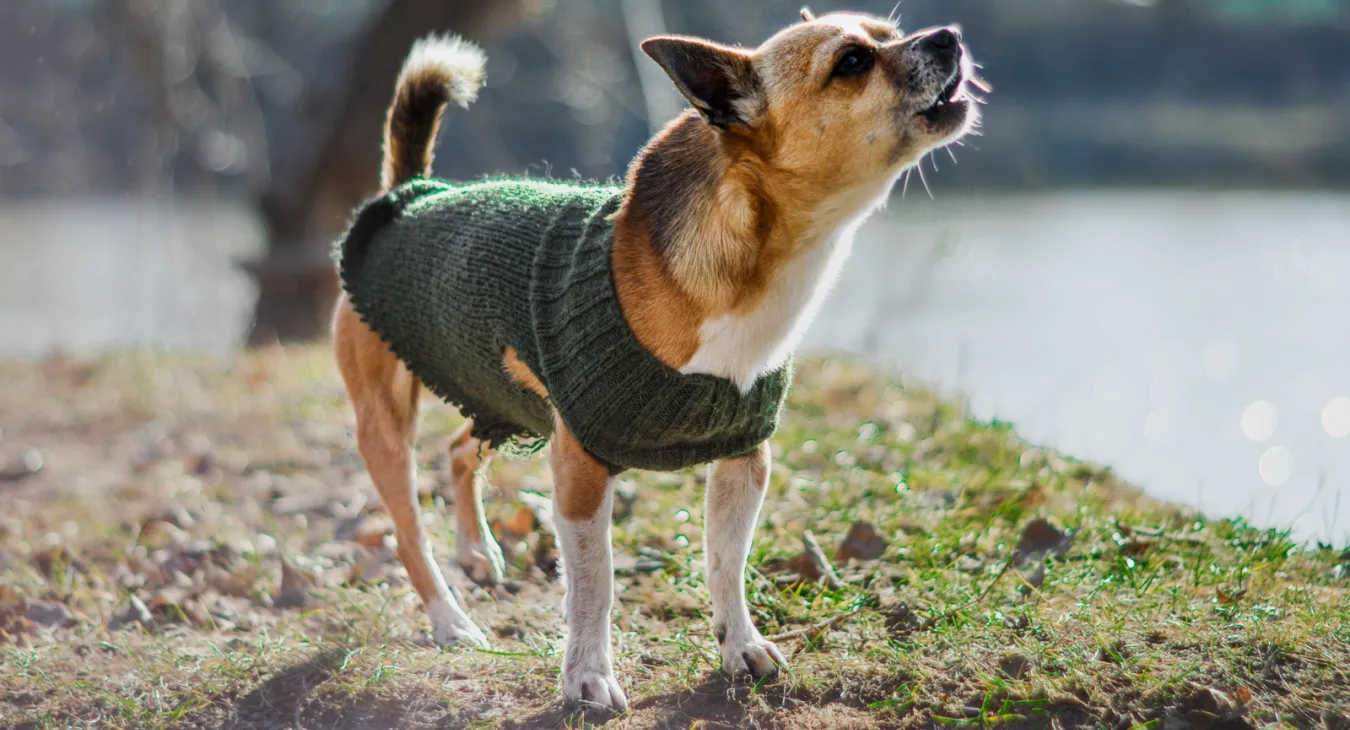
{"x": 312, "y": 193}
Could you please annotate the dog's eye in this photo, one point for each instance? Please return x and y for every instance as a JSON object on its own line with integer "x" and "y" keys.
{"x": 854, "y": 62}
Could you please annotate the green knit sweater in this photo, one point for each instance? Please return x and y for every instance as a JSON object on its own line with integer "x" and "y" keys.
{"x": 450, "y": 275}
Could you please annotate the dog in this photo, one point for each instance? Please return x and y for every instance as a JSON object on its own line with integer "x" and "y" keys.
{"x": 728, "y": 231}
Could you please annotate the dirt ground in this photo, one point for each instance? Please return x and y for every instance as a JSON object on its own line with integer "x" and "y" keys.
{"x": 192, "y": 541}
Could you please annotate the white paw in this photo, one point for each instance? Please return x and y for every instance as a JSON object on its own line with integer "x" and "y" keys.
{"x": 450, "y": 627}
{"x": 483, "y": 563}
{"x": 593, "y": 687}
{"x": 746, "y": 653}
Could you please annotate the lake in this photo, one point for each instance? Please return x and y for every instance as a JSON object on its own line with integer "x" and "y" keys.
{"x": 1192, "y": 341}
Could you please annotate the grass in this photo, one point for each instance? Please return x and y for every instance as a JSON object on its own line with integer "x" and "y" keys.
{"x": 1018, "y": 588}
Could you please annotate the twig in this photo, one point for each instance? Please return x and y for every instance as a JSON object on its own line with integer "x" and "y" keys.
{"x": 819, "y": 562}
{"x": 817, "y": 628}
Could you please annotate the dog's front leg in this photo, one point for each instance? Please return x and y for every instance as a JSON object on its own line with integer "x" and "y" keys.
{"x": 735, "y": 493}
{"x": 583, "y": 499}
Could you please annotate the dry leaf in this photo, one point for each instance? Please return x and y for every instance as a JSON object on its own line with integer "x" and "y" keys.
{"x": 862, "y": 542}
{"x": 1041, "y": 538}
{"x": 1015, "y": 666}
{"x": 1227, "y": 599}
{"x": 372, "y": 540}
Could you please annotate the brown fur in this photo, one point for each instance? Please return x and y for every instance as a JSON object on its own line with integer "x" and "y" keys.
{"x": 521, "y": 373}
{"x": 411, "y": 126}
{"x": 579, "y": 481}
{"x": 712, "y": 215}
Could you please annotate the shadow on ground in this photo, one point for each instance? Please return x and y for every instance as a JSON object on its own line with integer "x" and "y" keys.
{"x": 303, "y": 695}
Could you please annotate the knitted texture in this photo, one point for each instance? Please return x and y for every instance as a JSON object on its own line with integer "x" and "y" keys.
{"x": 450, "y": 275}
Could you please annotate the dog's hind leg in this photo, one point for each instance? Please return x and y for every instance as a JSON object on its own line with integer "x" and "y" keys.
{"x": 384, "y": 395}
{"x": 735, "y": 492}
{"x": 475, "y": 550}
{"x": 583, "y": 499}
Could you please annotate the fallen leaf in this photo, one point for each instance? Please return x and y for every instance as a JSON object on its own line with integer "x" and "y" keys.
{"x": 372, "y": 540}
{"x": 1227, "y": 599}
{"x": 862, "y": 542}
{"x": 1015, "y": 666}
{"x": 1136, "y": 547}
{"x": 522, "y": 523}
{"x": 1041, "y": 538}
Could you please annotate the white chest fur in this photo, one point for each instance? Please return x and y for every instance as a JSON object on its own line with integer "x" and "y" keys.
{"x": 743, "y": 346}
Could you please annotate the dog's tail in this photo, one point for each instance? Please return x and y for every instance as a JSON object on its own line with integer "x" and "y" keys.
{"x": 439, "y": 70}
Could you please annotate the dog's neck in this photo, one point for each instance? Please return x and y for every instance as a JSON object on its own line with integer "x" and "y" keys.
{"x": 720, "y": 260}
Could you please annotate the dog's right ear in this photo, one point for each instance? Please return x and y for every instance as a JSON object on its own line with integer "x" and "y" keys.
{"x": 718, "y": 80}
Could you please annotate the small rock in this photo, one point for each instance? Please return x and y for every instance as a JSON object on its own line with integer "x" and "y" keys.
{"x": 49, "y": 613}
{"x": 28, "y": 464}
{"x": 862, "y": 542}
{"x": 135, "y": 612}
{"x": 970, "y": 564}
{"x": 349, "y": 528}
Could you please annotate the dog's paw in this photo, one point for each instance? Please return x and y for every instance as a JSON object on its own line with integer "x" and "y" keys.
{"x": 450, "y": 628}
{"x": 591, "y": 687}
{"x": 483, "y": 563}
{"x": 751, "y": 655}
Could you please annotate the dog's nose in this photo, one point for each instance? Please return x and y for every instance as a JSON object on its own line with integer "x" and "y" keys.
{"x": 943, "y": 42}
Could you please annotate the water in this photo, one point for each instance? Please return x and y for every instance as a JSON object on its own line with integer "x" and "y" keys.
{"x": 1193, "y": 341}
{"x": 90, "y": 274}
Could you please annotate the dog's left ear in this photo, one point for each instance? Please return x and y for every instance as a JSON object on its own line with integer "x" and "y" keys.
{"x": 718, "y": 80}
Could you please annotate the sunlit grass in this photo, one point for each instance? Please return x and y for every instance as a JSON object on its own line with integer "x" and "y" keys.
{"x": 1149, "y": 612}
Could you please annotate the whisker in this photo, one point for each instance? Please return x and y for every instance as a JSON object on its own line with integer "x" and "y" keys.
{"x": 924, "y": 180}
{"x": 951, "y": 154}
{"x": 904, "y": 190}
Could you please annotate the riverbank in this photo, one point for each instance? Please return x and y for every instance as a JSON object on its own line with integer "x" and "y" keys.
{"x": 990, "y": 581}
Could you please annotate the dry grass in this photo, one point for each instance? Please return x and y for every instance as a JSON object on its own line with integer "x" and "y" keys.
{"x": 184, "y": 481}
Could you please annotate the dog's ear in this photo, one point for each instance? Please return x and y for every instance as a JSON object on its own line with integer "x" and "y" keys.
{"x": 718, "y": 80}
{"x": 807, "y": 15}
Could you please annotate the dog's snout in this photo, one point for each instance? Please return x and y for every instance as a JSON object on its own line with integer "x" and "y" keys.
{"x": 943, "y": 42}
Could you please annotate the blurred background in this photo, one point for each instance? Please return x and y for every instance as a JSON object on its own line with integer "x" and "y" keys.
{"x": 1144, "y": 260}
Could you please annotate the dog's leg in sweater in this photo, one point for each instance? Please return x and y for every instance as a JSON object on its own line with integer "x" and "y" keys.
{"x": 583, "y": 498}
{"x": 475, "y": 550}
{"x": 735, "y": 492}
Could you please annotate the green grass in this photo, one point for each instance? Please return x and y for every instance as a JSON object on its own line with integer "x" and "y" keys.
{"x": 1149, "y": 616}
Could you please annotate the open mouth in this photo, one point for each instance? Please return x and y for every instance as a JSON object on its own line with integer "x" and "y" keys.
{"x": 952, "y": 94}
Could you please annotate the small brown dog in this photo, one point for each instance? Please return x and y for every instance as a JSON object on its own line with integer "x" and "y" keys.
{"x": 731, "y": 227}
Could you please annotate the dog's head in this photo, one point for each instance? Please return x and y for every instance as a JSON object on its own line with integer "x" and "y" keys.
{"x": 842, "y": 100}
